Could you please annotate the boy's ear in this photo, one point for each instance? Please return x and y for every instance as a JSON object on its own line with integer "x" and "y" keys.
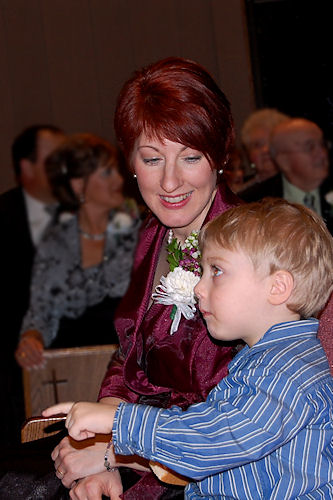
{"x": 282, "y": 285}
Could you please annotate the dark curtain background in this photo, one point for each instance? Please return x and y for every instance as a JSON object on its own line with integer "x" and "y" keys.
{"x": 291, "y": 49}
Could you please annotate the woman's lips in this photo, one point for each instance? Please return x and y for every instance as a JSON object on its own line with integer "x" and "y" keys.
{"x": 175, "y": 201}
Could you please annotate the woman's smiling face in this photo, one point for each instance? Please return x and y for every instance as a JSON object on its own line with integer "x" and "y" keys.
{"x": 176, "y": 182}
{"x": 104, "y": 187}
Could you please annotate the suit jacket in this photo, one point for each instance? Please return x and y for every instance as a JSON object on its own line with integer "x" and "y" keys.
{"x": 326, "y": 330}
{"x": 274, "y": 187}
{"x": 16, "y": 257}
{"x": 17, "y": 253}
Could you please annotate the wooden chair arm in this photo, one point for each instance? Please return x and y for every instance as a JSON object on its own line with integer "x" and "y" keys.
{"x": 41, "y": 427}
{"x": 167, "y": 475}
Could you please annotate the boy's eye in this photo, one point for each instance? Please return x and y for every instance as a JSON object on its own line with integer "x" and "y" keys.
{"x": 216, "y": 271}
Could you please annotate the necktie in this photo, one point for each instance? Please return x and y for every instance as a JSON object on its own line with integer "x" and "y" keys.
{"x": 51, "y": 210}
{"x": 309, "y": 200}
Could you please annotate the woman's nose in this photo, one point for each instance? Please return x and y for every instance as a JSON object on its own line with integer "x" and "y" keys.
{"x": 119, "y": 179}
{"x": 265, "y": 149}
{"x": 171, "y": 178}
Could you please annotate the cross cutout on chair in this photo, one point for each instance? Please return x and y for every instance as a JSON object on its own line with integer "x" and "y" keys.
{"x": 54, "y": 382}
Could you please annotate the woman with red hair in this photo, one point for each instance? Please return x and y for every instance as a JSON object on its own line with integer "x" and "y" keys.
{"x": 175, "y": 128}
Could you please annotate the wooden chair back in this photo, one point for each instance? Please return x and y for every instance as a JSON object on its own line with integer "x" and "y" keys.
{"x": 71, "y": 374}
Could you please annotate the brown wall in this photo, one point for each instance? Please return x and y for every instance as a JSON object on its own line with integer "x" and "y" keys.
{"x": 64, "y": 61}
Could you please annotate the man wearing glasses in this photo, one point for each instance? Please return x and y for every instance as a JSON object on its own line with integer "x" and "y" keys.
{"x": 298, "y": 148}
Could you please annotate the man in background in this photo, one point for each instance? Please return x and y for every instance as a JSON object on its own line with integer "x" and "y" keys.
{"x": 298, "y": 148}
{"x": 24, "y": 215}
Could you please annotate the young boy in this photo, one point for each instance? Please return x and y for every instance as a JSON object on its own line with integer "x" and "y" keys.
{"x": 266, "y": 430}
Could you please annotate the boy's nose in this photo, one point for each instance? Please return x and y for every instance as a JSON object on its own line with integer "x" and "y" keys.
{"x": 198, "y": 290}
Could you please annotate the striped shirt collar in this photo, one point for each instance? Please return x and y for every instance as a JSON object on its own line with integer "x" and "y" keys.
{"x": 277, "y": 333}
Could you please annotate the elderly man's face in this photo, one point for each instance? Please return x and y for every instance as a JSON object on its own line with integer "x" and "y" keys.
{"x": 302, "y": 155}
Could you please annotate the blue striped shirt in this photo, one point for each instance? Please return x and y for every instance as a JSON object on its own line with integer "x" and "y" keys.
{"x": 264, "y": 432}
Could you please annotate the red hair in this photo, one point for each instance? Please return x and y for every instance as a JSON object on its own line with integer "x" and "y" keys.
{"x": 178, "y": 100}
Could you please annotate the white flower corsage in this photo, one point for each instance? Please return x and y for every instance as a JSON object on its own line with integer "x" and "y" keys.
{"x": 177, "y": 288}
{"x": 122, "y": 220}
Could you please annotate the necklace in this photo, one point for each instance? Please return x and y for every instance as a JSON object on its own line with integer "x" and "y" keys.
{"x": 170, "y": 236}
{"x": 93, "y": 237}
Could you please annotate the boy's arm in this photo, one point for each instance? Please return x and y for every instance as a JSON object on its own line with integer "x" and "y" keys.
{"x": 243, "y": 420}
{"x": 218, "y": 434}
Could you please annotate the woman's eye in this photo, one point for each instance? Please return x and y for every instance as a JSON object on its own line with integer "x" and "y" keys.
{"x": 151, "y": 161}
{"x": 193, "y": 159}
{"x": 257, "y": 145}
{"x": 106, "y": 172}
{"x": 216, "y": 271}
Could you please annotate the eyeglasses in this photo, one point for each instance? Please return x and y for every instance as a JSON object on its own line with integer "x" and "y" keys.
{"x": 309, "y": 147}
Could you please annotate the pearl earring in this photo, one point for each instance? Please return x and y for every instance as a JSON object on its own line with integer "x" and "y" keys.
{"x": 220, "y": 171}
{"x": 134, "y": 176}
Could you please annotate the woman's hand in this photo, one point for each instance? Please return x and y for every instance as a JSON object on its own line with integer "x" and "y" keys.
{"x": 73, "y": 460}
{"x": 84, "y": 420}
{"x": 29, "y": 352}
{"x": 93, "y": 487}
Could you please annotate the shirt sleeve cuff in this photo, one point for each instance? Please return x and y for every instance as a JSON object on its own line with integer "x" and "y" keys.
{"x": 134, "y": 428}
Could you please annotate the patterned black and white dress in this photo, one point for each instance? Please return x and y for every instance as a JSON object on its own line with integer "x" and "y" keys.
{"x": 71, "y": 305}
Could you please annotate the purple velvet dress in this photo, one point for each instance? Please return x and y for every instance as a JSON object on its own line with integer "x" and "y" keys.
{"x": 325, "y": 332}
{"x": 151, "y": 366}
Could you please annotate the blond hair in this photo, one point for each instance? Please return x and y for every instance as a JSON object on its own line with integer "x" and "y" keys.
{"x": 280, "y": 235}
{"x": 267, "y": 118}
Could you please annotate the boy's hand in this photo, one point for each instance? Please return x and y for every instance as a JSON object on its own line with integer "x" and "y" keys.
{"x": 84, "y": 420}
